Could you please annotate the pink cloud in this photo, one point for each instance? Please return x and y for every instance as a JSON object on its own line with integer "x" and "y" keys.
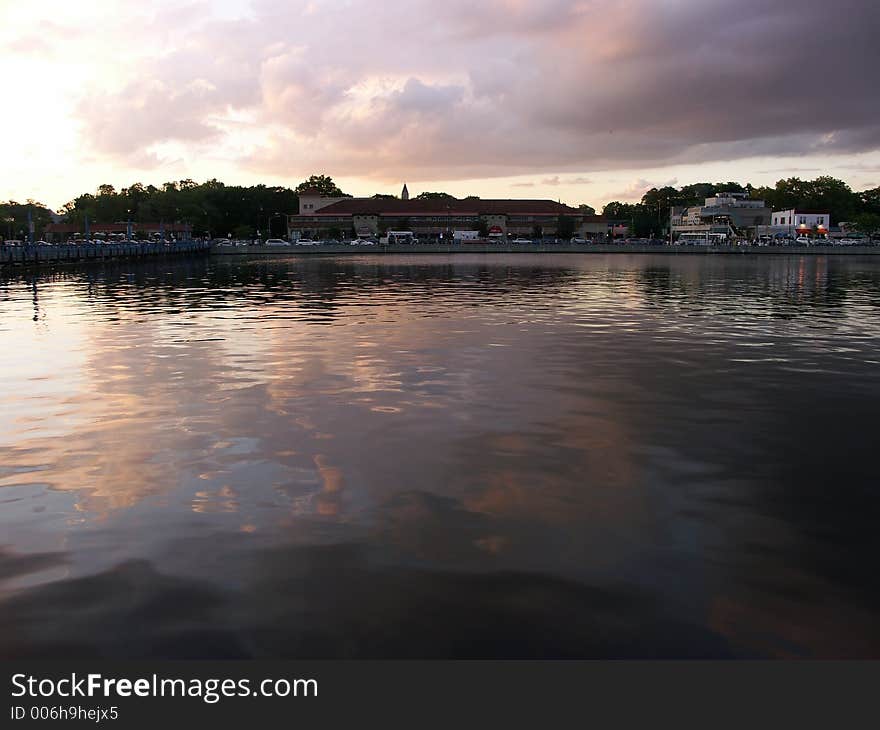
{"x": 423, "y": 90}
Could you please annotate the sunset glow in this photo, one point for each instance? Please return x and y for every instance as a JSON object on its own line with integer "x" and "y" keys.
{"x": 579, "y": 101}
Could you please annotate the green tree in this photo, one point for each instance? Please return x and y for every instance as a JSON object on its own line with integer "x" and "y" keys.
{"x": 697, "y": 193}
{"x": 615, "y": 210}
{"x": 868, "y": 223}
{"x": 565, "y": 226}
{"x": 322, "y": 183}
{"x": 435, "y": 196}
{"x": 14, "y": 219}
{"x": 870, "y": 200}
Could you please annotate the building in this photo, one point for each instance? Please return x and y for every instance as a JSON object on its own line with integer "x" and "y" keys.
{"x": 794, "y": 223}
{"x": 323, "y": 216}
{"x": 725, "y": 214}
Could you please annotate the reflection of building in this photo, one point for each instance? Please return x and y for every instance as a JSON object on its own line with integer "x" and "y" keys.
{"x": 726, "y": 213}
{"x": 318, "y": 215}
{"x": 799, "y": 222}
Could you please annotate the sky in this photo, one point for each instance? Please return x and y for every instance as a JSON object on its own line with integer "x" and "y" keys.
{"x": 582, "y": 101}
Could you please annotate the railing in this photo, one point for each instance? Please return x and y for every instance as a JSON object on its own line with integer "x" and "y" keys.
{"x": 33, "y": 253}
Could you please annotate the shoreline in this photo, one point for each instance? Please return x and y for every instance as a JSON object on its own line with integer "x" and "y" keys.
{"x": 542, "y": 248}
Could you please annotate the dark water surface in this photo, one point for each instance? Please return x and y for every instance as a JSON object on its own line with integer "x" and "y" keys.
{"x": 488, "y": 456}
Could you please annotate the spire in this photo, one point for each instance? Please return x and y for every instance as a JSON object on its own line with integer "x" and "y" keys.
{"x": 404, "y": 194}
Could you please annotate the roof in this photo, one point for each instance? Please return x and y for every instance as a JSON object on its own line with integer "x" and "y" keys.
{"x": 452, "y": 206}
{"x": 798, "y": 211}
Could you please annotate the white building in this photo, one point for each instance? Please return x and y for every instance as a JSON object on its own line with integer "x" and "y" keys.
{"x": 800, "y": 222}
{"x": 726, "y": 213}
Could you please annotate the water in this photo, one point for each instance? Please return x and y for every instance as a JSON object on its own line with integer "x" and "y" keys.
{"x": 424, "y": 456}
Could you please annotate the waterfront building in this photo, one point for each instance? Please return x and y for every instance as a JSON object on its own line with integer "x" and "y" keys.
{"x": 796, "y": 223}
{"x": 435, "y": 217}
{"x": 726, "y": 213}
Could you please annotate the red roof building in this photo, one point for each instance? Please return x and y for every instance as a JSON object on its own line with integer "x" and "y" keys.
{"x": 430, "y": 217}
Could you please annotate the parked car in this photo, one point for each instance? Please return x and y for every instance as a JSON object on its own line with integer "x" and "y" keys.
{"x": 277, "y": 242}
{"x": 521, "y": 240}
{"x": 306, "y": 242}
{"x": 578, "y": 240}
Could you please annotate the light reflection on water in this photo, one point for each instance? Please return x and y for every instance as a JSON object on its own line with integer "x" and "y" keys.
{"x": 427, "y": 456}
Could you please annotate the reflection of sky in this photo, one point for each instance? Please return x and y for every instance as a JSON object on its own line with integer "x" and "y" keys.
{"x": 603, "y": 419}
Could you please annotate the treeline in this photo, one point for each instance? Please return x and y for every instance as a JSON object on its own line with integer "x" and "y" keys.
{"x": 14, "y": 218}
{"x": 215, "y": 209}
{"x": 651, "y": 215}
{"x": 211, "y": 208}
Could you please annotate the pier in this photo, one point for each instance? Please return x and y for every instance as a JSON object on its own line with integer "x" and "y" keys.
{"x": 32, "y": 254}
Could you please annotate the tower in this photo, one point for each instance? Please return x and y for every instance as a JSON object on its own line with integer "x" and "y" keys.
{"x": 404, "y": 194}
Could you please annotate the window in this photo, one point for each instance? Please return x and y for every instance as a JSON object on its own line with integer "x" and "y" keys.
{"x": 820, "y": 220}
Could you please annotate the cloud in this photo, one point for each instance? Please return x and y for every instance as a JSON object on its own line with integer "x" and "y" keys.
{"x": 422, "y": 90}
{"x": 790, "y": 170}
{"x": 554, "y": 181}
{"x": 639, "y": 187}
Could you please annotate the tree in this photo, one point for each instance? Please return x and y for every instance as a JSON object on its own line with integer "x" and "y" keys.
{"x": 323, "y": 184}
{"x": 434, "y": 196}
{"x": 697, "y": 193}
{"x": 827, "y": 193}
{"x": 867, "y": 223}
{"x": 14, "y": 218}
{"x": 587, "y": 209}
{"x": 615, "y": 210}
{"x": 565, "y": 227}
{"x": 870, "y": 200}
{"x": 483, "y": 228}
{"x": 662, "y": 199}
